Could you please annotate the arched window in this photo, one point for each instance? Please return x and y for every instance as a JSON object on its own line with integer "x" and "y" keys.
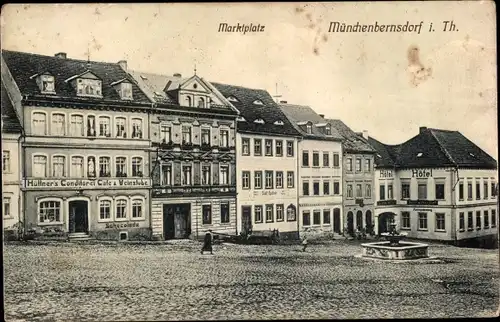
{"x": 58, "y": 166}
{"x": 121, "y": 206}
{"x": 76, "y": 125}
{"x": 121, "y": 166}
{"x": 188, "y": 101}
{"x": 201, "y": 102}
{"x": 359, "y": 219}
{"x": 77, "y": 167}
{"x": 39, "y": 166}
{"x": 104, "y": 126}
{"x": 104, "y": 167}
{"x": 291, "y": 213}
{"x": 58, "y": 126}
{"x": 39, "y": 121}
{"x": 105, "y": 206}
{"x": 137, "y": 208}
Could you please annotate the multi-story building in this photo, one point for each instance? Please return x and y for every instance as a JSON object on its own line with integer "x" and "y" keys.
{"x": 437, "y": 185}
{"x": 267, "y": 168}
{"x": 193, "y": 130}
{"x": 320, "y": 171}
{"x": 11, "y": 165}
{"x": 358, "y": 179}
{"x": 85, "y": 147}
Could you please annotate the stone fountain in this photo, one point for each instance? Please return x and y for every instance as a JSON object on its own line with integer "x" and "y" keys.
{"x": 393, "y": 248}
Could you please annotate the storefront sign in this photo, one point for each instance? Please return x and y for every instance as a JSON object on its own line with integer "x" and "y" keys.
{"x": 422, "y": 202}
{"x": 112, "y": 225}
{"x": 421, "y": 173}
{"x": 422, "y": 209}
{"x": 386, "y": 202}
{"x": 269, "y": 193}
{"x": 87, "y": 183}
{"x": 386, "y": 173}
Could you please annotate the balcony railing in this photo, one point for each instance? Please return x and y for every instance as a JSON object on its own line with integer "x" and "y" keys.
{"x": 159, "y": 191}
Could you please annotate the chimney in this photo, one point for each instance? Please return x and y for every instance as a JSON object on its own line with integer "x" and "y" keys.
{"x": 322, "y": 116}
{"x": 123, "y": 64}
{"x": 422, "y": 129}
{"x": 283, "y": 102}
{"x": 177, "y": 75}
{"x": 60, "y": 55}
{"x": 365, "y": 134}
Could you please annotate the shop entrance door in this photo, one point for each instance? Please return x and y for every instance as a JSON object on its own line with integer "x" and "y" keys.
{"x": 176, "y": 221}
{"x": 78, "y": 216}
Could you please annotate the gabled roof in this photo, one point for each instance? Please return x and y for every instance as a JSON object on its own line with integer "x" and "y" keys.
{"x": 270, "y": 112}
{"x": 297, "y": 114}
{"x": 10, "y": 121}
{"x": 164, "y": 88}
{"x": 437, "y": 148}
{"x": 23, "y": 66}
{"x": 384, "y": 158}
{"x": 352, "y": 142}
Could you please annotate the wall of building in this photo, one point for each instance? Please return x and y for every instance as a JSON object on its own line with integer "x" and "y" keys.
{"x": 450, "y": 204}
{"x": 252, "y": 197}
{"x": 329, "y": 203}
{"x": 11, "y": 180}
{"x": 353, "y": 203}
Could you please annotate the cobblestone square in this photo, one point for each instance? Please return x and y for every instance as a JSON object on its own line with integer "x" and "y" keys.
{"x": 105, "y": 282}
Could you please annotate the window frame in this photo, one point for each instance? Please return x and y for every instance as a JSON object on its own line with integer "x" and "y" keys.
{"x": 268, "y": 152}
{"x": 110, "y": 126}
{"x": 405, "y": 219}
{"x": 260, "y": 208}
{"x": 111, "y": 210}
{"x": 52, "y": 166}
{"x": 71, "y": 132}
{"x": 6, "y": 168}
{"x": 304, "y": 184}
{"x": 132, "y": 127}
{"x": 290, "y": 146}
{"x": 65, "y": 131}
{"x": 206, "y": 220}
{"x": 255, "y": 177}
{"x": 305, "y": 156}
{"x": 47, "y": 166}
{"x": 270, "y": 177}
{"x": 436, "y": 184}
{"x": 257, "y": 152}
{"x": 278, "y": 180}
{"x": 247, "y": 141}
{"x": 115, "y": 168}
{"x": 326, "y": 160}
{"x": 61, "y": 211}
{"x": 288, "y": 181}
{"x": 46, "y": 121}
{"x": 420, "y": 215}
{"x": 278, "y": 146}
{"x": 440, "y": 217}
{"x": 249, "y": 186}
{"x": 271, "y": 208}
{"x": 125, "y": 128}
{"x": 127, "y": 208}
{"x": 280, "y": 208}
{"x": 228, "y": 221}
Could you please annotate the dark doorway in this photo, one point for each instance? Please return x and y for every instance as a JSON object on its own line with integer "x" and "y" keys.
{"x": 359, "y": 220}
{"x": 176, "y": 221}
{"x": 246, "y": 220}
{"x": 336, "y": 220}
{"x": 350, "y": 223}
{"x": 368, "y": 218}
{"x": 78, "y": 216}
{"x": 384, "y": 220}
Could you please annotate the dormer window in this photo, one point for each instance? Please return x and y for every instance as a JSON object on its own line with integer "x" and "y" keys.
{"x": 89, "y": 87}
{"x": 258, "y": 102}
{"x": 259, "y": 121}
{"x": 241, "y": 119}
{"x": 232, "y": 99}
{"x": 328, "y": 129}
{"x": 126, "y": 91}
{"x": 279, "y": 122}
{"x": 309, "y": 128}
{"x": 47, "y": 82}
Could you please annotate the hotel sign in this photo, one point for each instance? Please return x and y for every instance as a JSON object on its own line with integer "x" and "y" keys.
{"x": 421, "y": 173}
{"x": 386, "y": 202}
{"x": 87, "y": 183}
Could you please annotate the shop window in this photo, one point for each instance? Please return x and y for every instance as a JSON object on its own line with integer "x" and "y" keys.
{"x": 49, "y": 212}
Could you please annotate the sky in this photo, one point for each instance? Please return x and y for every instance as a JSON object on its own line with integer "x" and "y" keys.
{"x": 364, "y": 79}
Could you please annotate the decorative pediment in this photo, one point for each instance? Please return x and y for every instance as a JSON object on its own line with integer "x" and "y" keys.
{"x": 207, "y": 156}
{"x": 167, "y": 156}
{"x": 46, "y": 82}
{"x": 225, "y": 157}
{"x": 187, "y": 157}
{"x": 86, "y": 84}
{"x": 196, "y": 123}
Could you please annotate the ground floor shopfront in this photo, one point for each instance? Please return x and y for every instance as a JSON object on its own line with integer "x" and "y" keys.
{"x": 357, "y": 217}
{"x": 458, "y": 225}
{"x": 191, "y": 217}
{"x": 323, "y": 219}
{"x": 111, "y": 209}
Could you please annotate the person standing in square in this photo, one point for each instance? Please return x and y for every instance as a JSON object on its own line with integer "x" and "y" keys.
{"x": 207, "y": 243}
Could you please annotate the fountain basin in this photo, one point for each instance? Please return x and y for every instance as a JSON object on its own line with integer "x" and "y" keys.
{"x": 401, "y": 251}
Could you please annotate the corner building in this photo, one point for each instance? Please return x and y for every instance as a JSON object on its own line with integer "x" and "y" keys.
{"x": 267, "y": 169}
{"x": 86, "y": 145}
{"x": 193, "y": 159}
{"x": 437, "y": 186}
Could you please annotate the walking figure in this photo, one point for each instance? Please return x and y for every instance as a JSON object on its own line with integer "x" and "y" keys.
{"x": 207, "y": 243}
{"x": 304, "y": 243}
